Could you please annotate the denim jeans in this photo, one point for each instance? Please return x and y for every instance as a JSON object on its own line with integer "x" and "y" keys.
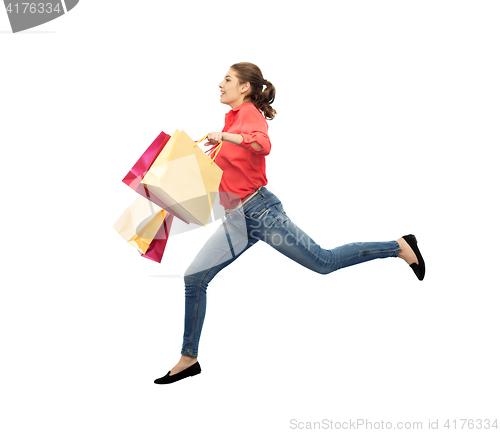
{"x": 262, "y": 218}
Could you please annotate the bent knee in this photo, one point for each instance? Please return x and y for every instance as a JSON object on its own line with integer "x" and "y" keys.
{"x": 195, "y": 279}
{"x": 190, "y": 271}
{"x": 324, "y": 269}
{"x": 192, "y": 276}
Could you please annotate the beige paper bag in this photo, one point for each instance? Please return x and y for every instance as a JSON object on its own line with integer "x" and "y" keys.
{"x": 185, "y": 179}
{"x": 140, "y": 223}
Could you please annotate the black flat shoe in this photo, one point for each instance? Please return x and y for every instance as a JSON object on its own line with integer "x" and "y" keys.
{"x": 420, "y": 268}
{"x": 190, "y": 371}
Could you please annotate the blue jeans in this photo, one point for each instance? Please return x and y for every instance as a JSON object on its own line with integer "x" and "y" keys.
{"x": 262, "y": 218}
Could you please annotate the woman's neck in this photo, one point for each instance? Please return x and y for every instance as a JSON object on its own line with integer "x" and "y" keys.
{"x": 236, "y": 105}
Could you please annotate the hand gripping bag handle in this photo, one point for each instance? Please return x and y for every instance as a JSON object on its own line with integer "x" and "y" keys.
{"x": 211, "y": 151}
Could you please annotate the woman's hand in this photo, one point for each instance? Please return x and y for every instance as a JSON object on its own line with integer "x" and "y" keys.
{"x": 214, "y": 138}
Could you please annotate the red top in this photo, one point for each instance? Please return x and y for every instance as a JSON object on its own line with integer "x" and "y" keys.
{"x": 244, "y": 167}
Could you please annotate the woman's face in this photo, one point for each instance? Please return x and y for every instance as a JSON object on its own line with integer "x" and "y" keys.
{"x": 232, "y": 92}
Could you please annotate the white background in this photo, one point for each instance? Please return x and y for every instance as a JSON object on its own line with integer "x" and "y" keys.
{"x": 388, "y": 123}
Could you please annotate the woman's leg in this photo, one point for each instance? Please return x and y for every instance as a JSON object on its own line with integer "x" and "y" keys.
{"x": 227, "y": 243}
{"x": 274, "y": 227}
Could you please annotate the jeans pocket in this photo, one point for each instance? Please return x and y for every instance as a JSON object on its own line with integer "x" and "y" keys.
{"x": 254, "y": 214}
{"x": 281, "y": 214}
{"x": 254, "y": 209}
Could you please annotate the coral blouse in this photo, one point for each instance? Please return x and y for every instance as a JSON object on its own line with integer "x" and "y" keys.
{"x": 244, "y": 167}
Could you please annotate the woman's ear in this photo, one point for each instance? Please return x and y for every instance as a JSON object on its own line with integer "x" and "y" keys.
{"x": 245, "y": 87}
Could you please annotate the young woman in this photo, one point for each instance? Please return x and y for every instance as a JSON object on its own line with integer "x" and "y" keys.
{"x": 254, "y": 213}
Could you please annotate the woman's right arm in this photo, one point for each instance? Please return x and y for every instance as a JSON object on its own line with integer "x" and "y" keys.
{"x": 216, "y": 137}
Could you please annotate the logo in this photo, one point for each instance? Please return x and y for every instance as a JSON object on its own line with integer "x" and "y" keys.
{"x": 25, "y": 15}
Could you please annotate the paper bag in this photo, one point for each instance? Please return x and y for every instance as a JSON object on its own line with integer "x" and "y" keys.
{"x": 140, "y": 168}
{"x": 185, "y": 179}
{"x": 157, "y": 246}
{"x": 140, "y": 223}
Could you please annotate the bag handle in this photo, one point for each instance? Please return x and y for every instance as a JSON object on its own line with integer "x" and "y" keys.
{"x": 210, "y": 151}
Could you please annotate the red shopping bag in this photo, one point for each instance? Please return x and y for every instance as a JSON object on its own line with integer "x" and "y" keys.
{"x": 141, "y": 167}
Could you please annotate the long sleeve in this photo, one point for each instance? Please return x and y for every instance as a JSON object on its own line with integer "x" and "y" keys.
{"x": 252, "y": 126}
{"x": 244, "y": 168}
{"x": 254, "y": 129}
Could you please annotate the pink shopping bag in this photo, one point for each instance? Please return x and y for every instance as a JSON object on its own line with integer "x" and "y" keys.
{"x": 141, "y": 167}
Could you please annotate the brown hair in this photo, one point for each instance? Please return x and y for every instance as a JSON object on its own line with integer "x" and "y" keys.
{"x": 262, "y": 99}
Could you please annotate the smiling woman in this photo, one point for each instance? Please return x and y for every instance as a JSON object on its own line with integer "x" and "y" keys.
{"x": 251, "y": 76}
{"x": 244, "y": 82}
{"x": 253, "y": 213}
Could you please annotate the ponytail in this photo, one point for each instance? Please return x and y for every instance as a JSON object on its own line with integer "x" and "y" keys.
{"x": 261, "y": 98}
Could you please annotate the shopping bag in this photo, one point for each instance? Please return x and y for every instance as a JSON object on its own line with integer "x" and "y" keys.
{"x": 157, "y": 246}
{"x": 140, "y": 223}
{"x": 185, "y": 179}
{"x": 137, "y": 172}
